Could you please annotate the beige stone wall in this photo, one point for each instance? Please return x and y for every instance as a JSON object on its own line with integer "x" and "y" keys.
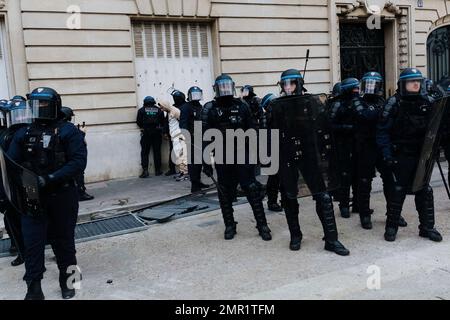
{"x": 255, "y": 40}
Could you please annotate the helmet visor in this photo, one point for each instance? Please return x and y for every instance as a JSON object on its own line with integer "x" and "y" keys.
{"x": 289, "y": 86}
{"x": 196, "y": 96}
{"x": 245, "y": 93}
{"x": 2, "y": 119}
{"x": 414, "y": 87}
{"x": 19, "y": 116}
{"x": 43, "y": 109}
{"x": 371, "y": 86}
{"x": 225, "y": 88}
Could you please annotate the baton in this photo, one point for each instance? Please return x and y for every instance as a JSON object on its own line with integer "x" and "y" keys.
{"x": 306, "y": 64}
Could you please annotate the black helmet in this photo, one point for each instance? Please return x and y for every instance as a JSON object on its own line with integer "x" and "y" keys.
{"x": 3, "y": 103}
{"x": 267, "y": 99}
{"x": 444, "y": 84}
{"x": 19, "y": 112}
{"x": 67, "y": 114}
{"x": 45, "y": 103}
{"x": 248, "y": 91}
{"x": 195, "y": 94}
{"x": 149, "y": 101}
{"x": 411, "y": 75}
{"x": 224, "y": 86}
{"x": 349, "y": 85}
{"x": 336, "y": 90}
{"x": 372, "y": 83}
{"x": 178, "y": 98}
{"x": 292, "y": 76}
{"x": 18, "y": 98}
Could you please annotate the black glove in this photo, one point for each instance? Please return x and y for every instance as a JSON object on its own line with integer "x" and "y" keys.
{"x": 43, "y": 181}
{"x": 208, "y": 170}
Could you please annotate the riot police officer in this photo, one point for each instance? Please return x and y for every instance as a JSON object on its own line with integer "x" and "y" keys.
{"x": 150, "y": 120}
{"x": 342, "y": 118}
{"x": 273, "y": 182}
{"x": 228, "y": 113}
{"x": 367, "y": 110}
{"x": 253, "y": 101}
{"x": 18, "y": 115}
{"x": 292, "y": 84}
{"x": 54, "y": 151}
{"x": 67, "y": 115}
{"x": 400, "y": 136}
{"x": 190, "y": 113}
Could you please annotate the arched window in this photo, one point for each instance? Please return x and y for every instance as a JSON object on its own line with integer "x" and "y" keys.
{"x": 438, "y": 52}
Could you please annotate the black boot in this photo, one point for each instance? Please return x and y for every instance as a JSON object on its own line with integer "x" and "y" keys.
{"x": 230, "y": 230}
{"x": 17, "y": 261}
{"x": 254, "y": 197}
{"x": 203, "y": 185}
{"x": 66, "y": 292}
{"x": 394, "y": 209}
{"x": 363, "y": 200}
{"x": 144, "y": 174}
{"x": 366, "y": 222}
{"x": 273, "y": 206}
{"x": 425, "y": 206}
{"x": 85, "y": 197}
{"x": 390, "y": 234}
{"x": 225, "y": 200}
{"x": 324, "y": 208}
{"x": 34, "y": 291}
{"x": 336, "y": 247}
{"x": 291, "y": 211}
{"x": 402, "y": 222}
{"x": 345, "y": 212}
{"x": 272, "y": 194}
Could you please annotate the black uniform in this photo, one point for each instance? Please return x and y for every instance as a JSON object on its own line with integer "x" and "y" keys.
{"x": 229, "y": 113}
{"x": 342, "y": 118}
{"x": 298, "y": 155}
{"x": 190, "y": 113}
{"x": 150, "y": 119}
{"x": 400, "y": 136}
{"x": 367, "y": 157}
{"x": 273, "y": 182}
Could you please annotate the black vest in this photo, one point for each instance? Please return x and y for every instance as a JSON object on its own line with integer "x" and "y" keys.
{"x": 42, "y": 149}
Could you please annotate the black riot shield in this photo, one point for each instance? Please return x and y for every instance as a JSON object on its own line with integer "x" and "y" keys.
{"x": 430, "y": 147}
{"x": 306, "y": 141}
{"x": 21, "y": 187}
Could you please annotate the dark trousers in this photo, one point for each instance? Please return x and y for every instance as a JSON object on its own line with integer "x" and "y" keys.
{"x": 400, "y": 180}
{"x": 289, "y": 176}
{"x": 367, "y": 159}
{"x": 272, "y": 188}
{"x": 79, "y": 181}
{"x": 195, "y": 172}
{"x": 228, "y": 177}
{"x": 151, "y": 139}
{"x": 345, "y": 166}
{"x": 57, "y": 227}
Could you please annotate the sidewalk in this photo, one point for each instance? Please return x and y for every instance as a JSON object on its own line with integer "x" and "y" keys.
{"x": 115, "y": 196}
